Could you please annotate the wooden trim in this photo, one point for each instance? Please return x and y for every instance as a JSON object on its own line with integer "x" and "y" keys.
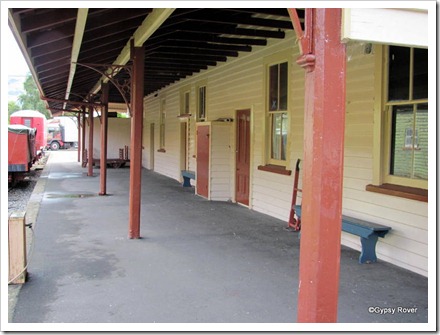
{"x": 407, "y": 192}
{"x": 275, "y": 169}
{"x": 184, "y": 116}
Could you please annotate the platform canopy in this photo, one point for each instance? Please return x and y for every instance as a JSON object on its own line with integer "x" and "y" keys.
{"x": 178, "y": 43}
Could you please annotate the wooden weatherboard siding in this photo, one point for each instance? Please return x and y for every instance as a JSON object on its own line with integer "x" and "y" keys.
{"x": 239, "y": 84}
{"x": 406, "y": 244}
{"x": 118, "y": 136}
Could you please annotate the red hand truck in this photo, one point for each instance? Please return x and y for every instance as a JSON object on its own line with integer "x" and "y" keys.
{"x": 295, "y": 222}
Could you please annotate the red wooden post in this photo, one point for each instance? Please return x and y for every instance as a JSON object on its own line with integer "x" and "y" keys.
{"x": 137, "y": 111}
{"x": 104, "y": 132}
{"x": 324, "y": 124}
{"x": 79, "y": 136}
{"x": 90, "y": 152}
{"x": 83, "y": 136}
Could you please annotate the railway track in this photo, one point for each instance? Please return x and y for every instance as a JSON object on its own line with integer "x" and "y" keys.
{"x": 20, "y": 192}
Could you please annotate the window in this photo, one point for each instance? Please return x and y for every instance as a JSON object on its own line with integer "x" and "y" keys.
{"x": 407, "y": 114}
{"x": 162, "y": 124}
{"x": 186, "y": 103}
{"x": 277, "y": 110}
{"x": 201, "y": 103}
{"x": 401, "y": 137}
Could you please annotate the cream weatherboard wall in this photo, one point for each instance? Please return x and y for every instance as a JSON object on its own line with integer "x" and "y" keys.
{"x": 240, "y": 84}
{"x": 118, "y": 136}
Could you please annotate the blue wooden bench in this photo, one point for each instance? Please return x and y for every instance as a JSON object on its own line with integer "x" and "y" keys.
{"x": 187, "y": 176}
{"x": 368, "y": 232}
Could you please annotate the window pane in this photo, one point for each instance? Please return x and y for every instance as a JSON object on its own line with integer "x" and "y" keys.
{"x": 421, "y": 143}
{"x": 202, "y": 102}
{"x": 401, "y": 155}
{"x": 398, "y": 79}
{"x": 409, "y": 156}
{"x": 278, "y": 136}
{"x": 162, "y": 124}
{"x": 420, "y": 90}
{"x": 283, "y": 86}
{"x": 273, "y": 88}
{"x": 186, "y": 103}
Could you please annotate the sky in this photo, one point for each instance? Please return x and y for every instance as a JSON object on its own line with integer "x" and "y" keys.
{"x": 17, "y": 65}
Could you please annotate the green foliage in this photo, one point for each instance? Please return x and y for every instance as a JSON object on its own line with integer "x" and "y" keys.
{"x": 31, "y": 98}
{"x": 12, "y": 107}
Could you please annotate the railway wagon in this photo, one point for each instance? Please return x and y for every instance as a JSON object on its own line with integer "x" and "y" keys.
{"x": 33, "y": 119}
{"x": 22, "y": 151}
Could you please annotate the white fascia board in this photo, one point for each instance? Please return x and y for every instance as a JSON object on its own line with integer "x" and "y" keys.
{"x": 393, "y": 26}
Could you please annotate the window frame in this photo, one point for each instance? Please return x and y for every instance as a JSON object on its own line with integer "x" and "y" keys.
{"x": 272, "y": 61}
{"x": 185, "y": 101}
{"x": 199, "y": 86}
{"x": 162, "y": 123}
{"x": 383, "y": 125}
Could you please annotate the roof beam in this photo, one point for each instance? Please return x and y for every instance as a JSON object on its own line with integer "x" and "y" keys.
{"x": 216, "y": 29}
{"x": 190, "y": 37}
{"x": 192, "y": 51}
{"x": 76, "y": 46}
{"x": 51, "y": 57}
{"x": 123, "y": 15}
{"x": 152, "y": 22}
{"x": 227, "y": 18}
{"x": 36, "y": 39}
{"x": 47, "y": 20}
{"x": 201, "y": 46}
{"x": 65, "y": 43}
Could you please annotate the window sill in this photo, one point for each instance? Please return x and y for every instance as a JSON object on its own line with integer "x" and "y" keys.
{"x": 161, "y": 150}
{"x": 275, "y": 169}
{"x": 400, "y": 191}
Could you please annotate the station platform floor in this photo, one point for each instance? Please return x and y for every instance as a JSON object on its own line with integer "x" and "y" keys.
{"x": 198, "y": 262}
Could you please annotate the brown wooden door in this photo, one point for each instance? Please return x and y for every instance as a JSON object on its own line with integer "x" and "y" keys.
{"x": 242, "y": 175}
{"x": 202, "y": 173}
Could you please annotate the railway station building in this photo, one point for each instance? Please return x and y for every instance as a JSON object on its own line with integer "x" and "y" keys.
{"x": 257, "y": 107}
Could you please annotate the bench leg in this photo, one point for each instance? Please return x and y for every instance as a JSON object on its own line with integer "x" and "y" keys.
{"x": 186, "y": 182}
{"x": 368, "y": 254}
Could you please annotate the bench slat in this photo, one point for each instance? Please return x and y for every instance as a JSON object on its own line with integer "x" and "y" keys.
{"x": 362, "y": 223}
{"x": 188, "y": 174}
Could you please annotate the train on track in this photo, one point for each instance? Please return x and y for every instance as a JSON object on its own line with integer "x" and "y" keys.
{"x": 26, "y": 142}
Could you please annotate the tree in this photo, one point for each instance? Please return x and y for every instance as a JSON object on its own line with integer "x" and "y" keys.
{"x": 31, "y": 98}
{"x": 12, "y": 107}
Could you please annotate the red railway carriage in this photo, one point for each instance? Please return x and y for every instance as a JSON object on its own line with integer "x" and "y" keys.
{"x": 21, "y": 150}
{"x": 33, "y": 119}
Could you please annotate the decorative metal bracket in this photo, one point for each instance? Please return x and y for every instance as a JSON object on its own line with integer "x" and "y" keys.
{"x": 90, "y": 97}
{"x": 110, "y": 71}
{"x": 307, "y": 57}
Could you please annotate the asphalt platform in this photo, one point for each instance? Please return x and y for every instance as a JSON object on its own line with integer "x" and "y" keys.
{"x": 198, "y": 261}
